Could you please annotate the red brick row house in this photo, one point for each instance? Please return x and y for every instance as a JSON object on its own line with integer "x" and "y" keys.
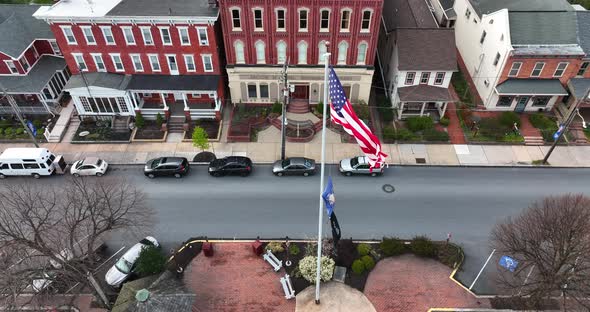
{"x": 260, "y": 36}
{"x": 32, "y": 71}
{"x": 140, "y": 55}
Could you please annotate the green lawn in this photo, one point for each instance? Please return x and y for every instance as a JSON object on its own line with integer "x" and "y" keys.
{"x": 584, "y": 3}
{"x": 461, "y": 87}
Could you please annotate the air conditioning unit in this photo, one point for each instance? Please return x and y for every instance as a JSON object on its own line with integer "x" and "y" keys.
{"x": 204, "y": 42}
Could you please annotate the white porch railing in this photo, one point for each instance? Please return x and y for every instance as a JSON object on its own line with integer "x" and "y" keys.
{"x": 206, "y": 113}
{"x": 24, "y": 110}
{"x": 150, "y": 113}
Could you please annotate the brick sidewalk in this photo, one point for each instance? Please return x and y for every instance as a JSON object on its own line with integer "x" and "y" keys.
{"x": 411, "y": 284}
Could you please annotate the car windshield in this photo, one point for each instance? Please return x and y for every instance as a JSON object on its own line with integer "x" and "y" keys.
{"x": 99, "y": 163}
{"x": 158, "y": 161}
{"x": 285, "y": 163}
{"x": 123, "y": 265}
{"x": 308, "y": 164}
{"x": 354, "y": 161}
{"x": 79, "y": 164}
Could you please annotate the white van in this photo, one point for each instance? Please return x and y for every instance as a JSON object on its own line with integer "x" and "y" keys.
{"x": 35, "y": 162}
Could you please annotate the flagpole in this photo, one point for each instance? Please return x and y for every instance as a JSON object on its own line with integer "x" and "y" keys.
{"x": 322, "y": 167}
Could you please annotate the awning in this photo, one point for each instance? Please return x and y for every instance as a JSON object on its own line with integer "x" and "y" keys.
{"x": 531, "y": 87}
{"x": 425, "y": 93}
{"x": 102, "y": 80}
{"x": 174, "y": 82}
{"x": 36, "y": 79}
{"x": 579, "y": 87}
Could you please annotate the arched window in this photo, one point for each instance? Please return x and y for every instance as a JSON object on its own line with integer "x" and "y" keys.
{"x": 362, "y": 54}
{"x": 281, "y": 52}
{"x": 260, "y": 56}
{"x": 239, "y": 48}
{"x": 323, "y": 49}
{"x": 302, "y": 52}
{"x": 342, "y": 52}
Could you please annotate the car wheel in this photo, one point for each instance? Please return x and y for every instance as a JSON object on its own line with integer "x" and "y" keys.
{"x": 177, "y": 175}
{"x": 76, "y": 175}
{"x": 279, "y": 174}
{"x": 305, "y": 174}
{"x": 99, "y": 174}
{"x": 374, "y": 174}
{"x": 245, "y": 174}
{"x": 36, "y": 175}
{"x": 2, "y": 176}
{"x": 151, "y": 176}
{"x": 216, "y": 174}
{"x": 348, "y": 174}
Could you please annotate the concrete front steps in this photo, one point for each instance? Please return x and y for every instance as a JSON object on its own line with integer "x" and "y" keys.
{"x": 533, "y": 140}
{"x": 298, "y": 107}
{"x": 175, "y": 124}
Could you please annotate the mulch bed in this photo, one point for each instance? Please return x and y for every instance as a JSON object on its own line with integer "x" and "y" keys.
{"x": 298, "y": 283}
{"x": 150, "y": 131}
{"x": 520, "y": 303}
{"x": 183, "y": 257}
{"x": 210, "y": 126}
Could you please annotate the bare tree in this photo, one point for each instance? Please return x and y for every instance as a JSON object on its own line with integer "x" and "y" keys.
{"x": 50, "y": 233}
{"x": 551, "y": 242}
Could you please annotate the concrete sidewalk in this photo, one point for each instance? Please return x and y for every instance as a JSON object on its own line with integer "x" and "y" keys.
{"x": 399, "y": 154}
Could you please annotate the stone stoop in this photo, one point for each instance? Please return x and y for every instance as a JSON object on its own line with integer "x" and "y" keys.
{"x": 298, "y": 107}
{"x": 175, "y": 124}
{"x": 533, "y": 140}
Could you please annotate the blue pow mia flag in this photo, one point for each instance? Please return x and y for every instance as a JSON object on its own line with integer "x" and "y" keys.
{"x": 509, "y": 263}
{"x": 330, "y": 200}
{"x": 32, "y": 127}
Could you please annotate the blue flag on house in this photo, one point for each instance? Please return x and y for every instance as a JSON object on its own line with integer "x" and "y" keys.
{"x": 509, "y": 263}
{"x": 329, "y": 198}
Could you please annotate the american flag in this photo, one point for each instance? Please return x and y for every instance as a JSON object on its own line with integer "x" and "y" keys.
{"x": 342, "y": 113}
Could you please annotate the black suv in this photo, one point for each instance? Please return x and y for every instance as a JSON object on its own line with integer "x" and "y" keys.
{"x": 166, "y": 166}
{"x": 230, "y": 165}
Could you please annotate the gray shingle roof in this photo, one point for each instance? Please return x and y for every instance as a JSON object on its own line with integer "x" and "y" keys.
{"x": 426, "y": 49}
{"x": 37, "y": 78}
{"x": 178, "y": 82}
{"x": 490, "y": 6}
{"x": 579, "y": 86}
{"x": 533, "y": 28}
{"x": 531, "y": 87}
{"x": 18, "y": 28}
{"x": 447, "y": 4}
{"x": 424, "y": 93}
{"x": 199, "y": 8}
{"x": 407, "y": 13}
{"x": 583, "y": 23}
{"x": 104, "y": 80}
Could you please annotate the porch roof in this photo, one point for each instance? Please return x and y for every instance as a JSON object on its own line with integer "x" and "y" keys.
{"x": 531, "y": 87}
{"x": 579, "y": 87}
{"x": 174, "y": 83}
{"x": 103, "y": 80}
{"x": 425, "y": 93}
{"x": 36, "y": 79}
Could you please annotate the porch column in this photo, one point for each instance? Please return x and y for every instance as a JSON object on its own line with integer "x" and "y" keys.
{"x": 164, "y": 100}
{"x": 444, "y": 109}
{"x": 422, "y": 110}
{"x": 41, "y": 97}
{"x": 184, "y": 101}
{"x": 133, "y": 101}
{"x": 400, "y": 111}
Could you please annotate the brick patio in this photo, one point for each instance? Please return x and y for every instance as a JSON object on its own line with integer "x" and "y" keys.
{"x": 411, "y": 284}
{"x": 235, "y": 280}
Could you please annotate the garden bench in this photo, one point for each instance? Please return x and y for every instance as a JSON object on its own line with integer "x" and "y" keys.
{"x": 287, "y": 287}
{"x": 274, "y": 262}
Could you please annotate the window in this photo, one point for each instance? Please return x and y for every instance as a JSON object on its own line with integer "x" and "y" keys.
{"x": 260, "y": 53}
{"x": 342, "y": 52}
{"x": 497, "y": 59}
{"x": 467, "y": 13}
{"x": 410, "y": 78}
{"x": 483, "y": 37}
{"x": 154, "y": 62}
{"x": 263, "y": 91}
{"x": 183, "y": 35}
{"x": 24, "y": 64}
{"x": 258, "y": 26}
{"x": 107, "y": 33}
{"x": 583, "y": 68}
{"x": 302, "y": 52}
{"x": 366, "y": 22}
{"x": 165, "y": 33}
{"x": 122, "y": 104}
{"x": 424, "y": 78}
{"x": 514, "y": 69}
{"x": 146, "y": 33}
{"x": 281, "y": 52}
{"x": 362, "y": 54}
{"x": 117, "y": 62}
{"x": 440, "y": 77}
{"x": 203, "y": 37}
{"x": 128, "y": 34}
{"x": 87, "y": 31}
{"x": 189, "y": 60}
{"x": 172, "y": 65}
{"x": 324, "y": 20}
{"x": 239, "y": 47}
{"x": 538, "y": 69}
{"x": 11, "y": 67}
{"x": 560, "y": 69}
{"x": 541, "y": 101}
{"x": 505, "y": 101}
{"x": 196, "y": 95}
{"x": 80, "y": 61}
{"x": 85, "y": 104}
{"x": 67, "y": 30}
{"x": 323, "y": 49}
{"x": 136, "y": 59}
{"x": 99, "y": 62}
{"x": 235, "y": 17}
{"x": 345, "y": 21}
{"x": 16, "y": 166}
{"x": 31, "y": 166}
{"x": 280, "y": 20}
{"x": 302, "y": 20}
{"x": 207, "y": 63}
{"x": 252, "y": 91}
{"x": 55, "y": 47}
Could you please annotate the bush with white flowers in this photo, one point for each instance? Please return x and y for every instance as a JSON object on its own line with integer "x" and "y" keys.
{"x": 308, "y": 268}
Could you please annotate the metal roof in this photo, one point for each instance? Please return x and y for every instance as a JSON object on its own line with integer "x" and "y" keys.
{"x": 37, "y": 78}
{"x": 583, "y": 30}
{"x": 18, "y": 28}
{"x": 532, "y": 28}
{"x": 197, "y": 8}
{"x": 425, "y": 93}
{"x": 490, "y": 6}
{"x": 579, "y": 86}
{"x": 531, "y": 87}
{"x": 174, "y": 82}
{"x": 426, "y": 49}
{"x": 103, "y": 80}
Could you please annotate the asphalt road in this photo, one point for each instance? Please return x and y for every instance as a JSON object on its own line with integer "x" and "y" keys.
{"x": 433, "y": 201}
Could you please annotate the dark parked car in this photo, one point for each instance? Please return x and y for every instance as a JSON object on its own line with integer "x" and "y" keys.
{"x": 294, "y": 166}
{"x": 166, "y": 166}
{"x": 237, "y": 165}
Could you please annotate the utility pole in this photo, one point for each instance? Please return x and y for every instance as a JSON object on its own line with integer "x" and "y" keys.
{"x": 284, "y": 108}
{"x": 14, "y": 106}
{"x": 566, "y": 125}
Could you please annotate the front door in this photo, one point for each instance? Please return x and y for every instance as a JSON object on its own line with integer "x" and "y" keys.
{"x": 521, "y": 102}
{"x": 301, "y": 92}
{"x": 172, "y": 65}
